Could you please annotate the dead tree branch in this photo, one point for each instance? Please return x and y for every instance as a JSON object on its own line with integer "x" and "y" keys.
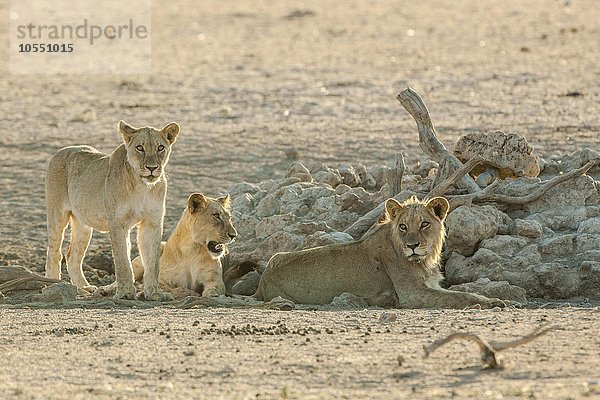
{"x": 428, "y": 141}
{"x": 489, "y": 195}
{"x": 457, "y": 175}
{"x": 394, "y": 176}
{"x": 277, "y": 303}
{"x": 489, "y": 350}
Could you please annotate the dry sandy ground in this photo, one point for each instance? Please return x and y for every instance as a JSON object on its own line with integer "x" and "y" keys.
{"x": 223, "y": 353}
{"x": 318, "y": 79}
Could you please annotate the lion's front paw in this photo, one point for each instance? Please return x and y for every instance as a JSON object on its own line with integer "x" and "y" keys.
{"x": 125, "y": 292}
{"x": 157, "y": 295}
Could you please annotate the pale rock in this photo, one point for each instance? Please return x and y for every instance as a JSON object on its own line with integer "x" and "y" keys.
{"x": 242, "y": 187}
{"x": 329, "y": 177}
{"x": 348, "y": 201}
{"x": 59, "y": 292}
{"x": 589, "y": 273}
{"x": 348, "y": 174}
{"x": 268, "y": 206}
{"x": 504, "y": 245}
{"x": 586, "y": 242}
{"x": 509, "y": 153}
{"x": 494, "y": 289}
{"x": 324, "y": 205}
{"x": 276, "y": 243}
{"x": 308, "y": 228}
{"x": 342, "y": 188}
{"x": 297, "y": 168}
{"x": 470, "y": 224}
{"x": 578, "y": 159}
{"x": 589, "y": 226}
{"x": 527, "y": 228}
{"x": 247, "y": 284}
{"x": 526, "y": 257}
{"x": 324, "y": 238}
{"x": 288, "y": 181}
{"x": 339, "y": 221}
{"x": 269, "y": 225}
{"x": 576, "y": 192}
{"x": 565, "y": 218}
{"x": 557, "y": 246}
{"x": 379, "y": 173}
{"x": 242, "y": 203}
{"x": 245, "y": 224}
{"x": 366, "y": 179}
{"x": 554, "y": 280}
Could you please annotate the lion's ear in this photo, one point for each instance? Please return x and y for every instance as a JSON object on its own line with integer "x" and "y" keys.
{"x": 170, "y": 132}
{"x": 439, "y": 206}
{"x": 127, "y": 131}
{"x": 392, "y": 208}
{"x": 197, "y": 202}
{"x": 225, "y": 202}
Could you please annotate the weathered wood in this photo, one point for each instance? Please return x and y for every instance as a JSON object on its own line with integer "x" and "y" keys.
{"x": 489, "y": 195}
{"x": 442, "y": 188}
{"x": 394, "y": 176}
{"x": 428, "y": 141}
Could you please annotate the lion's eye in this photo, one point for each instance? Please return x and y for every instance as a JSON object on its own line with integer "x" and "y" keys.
{"x": 402, "y": 227}
{"x": 424, "y": 224}
{"x": 161, "y": 147}
{"x": 139, "y": 148}
{"x": 217, "y": 217}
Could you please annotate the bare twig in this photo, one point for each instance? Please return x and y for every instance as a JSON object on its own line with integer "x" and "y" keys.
{"x": 394, "y": 176}
{"x": 428, "y": 141}
{"x": 489, "y": 195}
{"x": 33, "y": 282}
{"x": 489, "y": 350}
{"x": 443, "y": 187}
{"x": 277, "y": 303}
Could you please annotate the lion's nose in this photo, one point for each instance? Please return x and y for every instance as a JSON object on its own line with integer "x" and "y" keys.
{"x": 151, "y": 168}
{"x": 413, "y": 246}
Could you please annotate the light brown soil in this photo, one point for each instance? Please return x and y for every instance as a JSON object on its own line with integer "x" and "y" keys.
{"x": 318, "y": 78}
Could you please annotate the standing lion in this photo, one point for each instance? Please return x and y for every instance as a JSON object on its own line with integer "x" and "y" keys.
{"x": 111, "y": 193}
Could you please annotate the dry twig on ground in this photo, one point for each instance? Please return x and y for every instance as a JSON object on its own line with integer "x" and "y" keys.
{"x": 489, "y": 350}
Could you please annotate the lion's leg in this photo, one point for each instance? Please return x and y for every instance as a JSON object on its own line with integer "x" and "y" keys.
{"x": 149, "y": 238}
{"x": 57, "y": 223}
{"x": 426, "y": 297}
{"x": 121, "y": 248}
{"x": 80, "y": 240}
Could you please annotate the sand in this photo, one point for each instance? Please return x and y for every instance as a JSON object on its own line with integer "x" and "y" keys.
{"x": 255, "y": 85}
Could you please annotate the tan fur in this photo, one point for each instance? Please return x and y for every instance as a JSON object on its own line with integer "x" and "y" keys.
{"x": 110, "y": 193}
{"x": 186, "y": 260}
{"x": 395, "y": 265}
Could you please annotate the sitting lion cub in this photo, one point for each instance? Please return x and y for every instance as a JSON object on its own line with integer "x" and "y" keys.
{"x": 394, "y": 265}
{"x": 191, "y": 258}
{"x": 115, "y": 192}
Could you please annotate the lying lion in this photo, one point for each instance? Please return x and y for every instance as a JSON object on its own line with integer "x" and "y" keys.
{"x": 394, "y": 265}
{"x": 191, "y": 257}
